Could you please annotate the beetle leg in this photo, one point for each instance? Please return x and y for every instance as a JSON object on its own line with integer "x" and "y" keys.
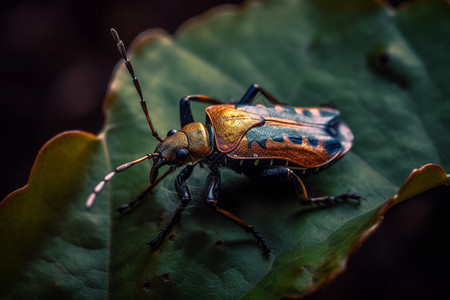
{"x": 286, "y": 174}
{"x": 334, "y": 199}
{"x": 144, "y": 194}
{"x": 300, "y": 189}
{"x": 186, "y": 116}
{"x": 213, "y": 185}
{"x": 185, "y": 196}
{"x": 281, "y": 174}
{"x": 251, "y": 93}
{"x": 303, "y": 195}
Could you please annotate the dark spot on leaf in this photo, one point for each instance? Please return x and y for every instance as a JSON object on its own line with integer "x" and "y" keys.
{"x": 165, "y": 277}
{"x": 159, "y": 218}
{"x": 389, "y": 67}
{"x": 383, "y": 59}
{"x": 403, "y": 85}
{"x": 146, "y": 285}
{"x": 219, "y": 244}
{"x": 172, "y": 237}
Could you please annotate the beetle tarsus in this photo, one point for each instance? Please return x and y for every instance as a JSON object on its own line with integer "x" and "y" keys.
{"x": 122, "y": 209}
{"x": 126, "y": 207}
{"x": 168, "y": 227}
{"x": 332, "y": 200}
{"x": 261, "y": 241}
{"x": 350, "y": 196}
{"x": 153, "y": 244}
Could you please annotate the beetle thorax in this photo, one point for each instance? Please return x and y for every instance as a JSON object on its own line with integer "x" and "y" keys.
{"x": 198, "y": 140}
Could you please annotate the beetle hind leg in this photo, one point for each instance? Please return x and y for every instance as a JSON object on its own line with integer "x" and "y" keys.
{"x": 303, "y": 195}
{"x": 334, "y": 199}
{"x": 213, "y": 185}
{"x": 286, "y": 174}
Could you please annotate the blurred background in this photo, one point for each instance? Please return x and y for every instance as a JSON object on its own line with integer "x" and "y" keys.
{"x": 57, "y": 59}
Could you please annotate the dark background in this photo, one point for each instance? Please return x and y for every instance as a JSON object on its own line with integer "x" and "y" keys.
{"x": 57, "y": 59}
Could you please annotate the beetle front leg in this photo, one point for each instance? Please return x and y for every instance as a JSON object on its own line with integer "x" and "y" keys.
{"x": 185, "y": 197}
{"x": 122, "y": 209}
{"x": 213, "y": 185}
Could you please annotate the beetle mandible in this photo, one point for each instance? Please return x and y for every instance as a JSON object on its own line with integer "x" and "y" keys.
{"x": 263, "y": 142}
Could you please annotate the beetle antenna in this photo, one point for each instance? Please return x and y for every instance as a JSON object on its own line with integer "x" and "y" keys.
{"x": 122, "y": 51}
{"x": 98, "y": 188}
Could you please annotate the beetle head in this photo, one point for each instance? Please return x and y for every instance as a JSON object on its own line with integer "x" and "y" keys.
{"x": 185, "y": 147}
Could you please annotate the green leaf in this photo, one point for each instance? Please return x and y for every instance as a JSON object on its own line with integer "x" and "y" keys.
{"x": 385, "y": 70}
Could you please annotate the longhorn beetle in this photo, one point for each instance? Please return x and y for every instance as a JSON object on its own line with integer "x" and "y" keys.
{"x": 263, "y": 142}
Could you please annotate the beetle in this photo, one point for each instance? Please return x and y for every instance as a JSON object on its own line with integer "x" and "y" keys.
{"x": 263, "y": 142}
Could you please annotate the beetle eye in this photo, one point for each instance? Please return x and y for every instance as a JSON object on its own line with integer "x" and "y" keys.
{"x": 181, "y": 155}
{"x": 171, "y": 132}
